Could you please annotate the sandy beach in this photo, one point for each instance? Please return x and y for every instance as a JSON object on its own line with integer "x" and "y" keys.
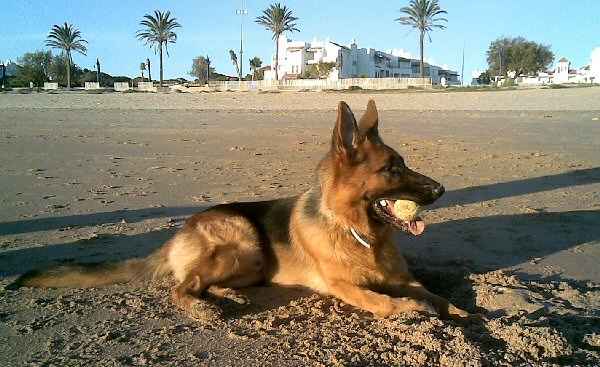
{"x": 93, "y": 177}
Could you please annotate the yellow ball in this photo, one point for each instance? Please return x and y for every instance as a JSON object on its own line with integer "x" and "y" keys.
{"x": 406, "y": 210}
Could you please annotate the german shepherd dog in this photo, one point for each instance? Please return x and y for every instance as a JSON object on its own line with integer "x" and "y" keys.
{"x": 335, "y": 238}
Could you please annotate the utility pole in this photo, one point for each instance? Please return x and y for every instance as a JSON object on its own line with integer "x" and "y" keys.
{"x": 241, "y": 12}
{"x": 462, "y": 69}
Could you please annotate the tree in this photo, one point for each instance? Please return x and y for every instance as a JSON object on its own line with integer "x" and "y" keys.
{"x": 255, "y": 64}
{"x": 67, "y": 38}
{"x": 57, "y": 70}
{"x": 32, "y": 67}
{"x": 423, "y": 15}
{"x": 142, "y": 69}
{"x": 277, "y": 19}
{"x": 320, "y": 70}
{"x": 518, "y": 55}
{"x": 484, "y": 78}
{"x": 234, "y": 60}
{"x": 158, "y": 33}
{"x": 104, "y": 79}
{"x": 200, "y": 69}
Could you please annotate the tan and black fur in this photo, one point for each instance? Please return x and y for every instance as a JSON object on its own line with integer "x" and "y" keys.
{"x": 301, "y": 241}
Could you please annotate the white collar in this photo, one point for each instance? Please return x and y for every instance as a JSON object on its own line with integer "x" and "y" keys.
{"x": 359, "y": 239}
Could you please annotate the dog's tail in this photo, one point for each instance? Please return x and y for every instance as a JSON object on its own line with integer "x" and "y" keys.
{"x": 96, "y": 274}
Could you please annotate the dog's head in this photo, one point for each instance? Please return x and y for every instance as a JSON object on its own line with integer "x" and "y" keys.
{"x": 368, "y": 176}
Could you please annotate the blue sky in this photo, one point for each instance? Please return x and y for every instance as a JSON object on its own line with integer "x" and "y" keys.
{"x": 211, "y": 28}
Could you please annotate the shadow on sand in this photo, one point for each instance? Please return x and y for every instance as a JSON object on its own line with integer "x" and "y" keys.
{"x": 85, "y": 220}
{"x": 476, "y": 194}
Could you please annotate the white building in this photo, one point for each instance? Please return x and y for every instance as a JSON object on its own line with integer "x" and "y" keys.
{"x": 563, "y": 73}
{"x": 351, "y": 62}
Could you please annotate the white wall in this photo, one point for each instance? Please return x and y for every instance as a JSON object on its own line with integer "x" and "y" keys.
{"x": 320, "y": 84}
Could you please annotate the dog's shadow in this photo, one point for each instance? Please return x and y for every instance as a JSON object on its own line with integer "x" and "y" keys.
{"x": 449, "y": 251}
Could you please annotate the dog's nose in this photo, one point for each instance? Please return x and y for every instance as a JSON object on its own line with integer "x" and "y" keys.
{"x": 438, "y": 191}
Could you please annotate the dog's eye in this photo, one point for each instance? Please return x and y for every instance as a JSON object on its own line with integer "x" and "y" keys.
{"x": 392, "y": 170}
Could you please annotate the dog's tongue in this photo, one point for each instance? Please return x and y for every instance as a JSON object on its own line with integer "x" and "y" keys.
{"x": 416, "y": 227}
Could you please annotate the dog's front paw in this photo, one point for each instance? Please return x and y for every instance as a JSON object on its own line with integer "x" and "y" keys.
{"x": 402, "y": 305}
{"x": 463, "y": 316}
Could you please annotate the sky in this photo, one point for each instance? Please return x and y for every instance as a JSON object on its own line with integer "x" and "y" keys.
{"x": 571, "y": 28}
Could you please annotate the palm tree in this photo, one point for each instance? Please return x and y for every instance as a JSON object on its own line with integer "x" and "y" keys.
{"x": 424, "y": 16}
{"x": 255, "y": 64}
{"x": 234, "y": 60}
{"x": 277, "y": 19}
{"x": 149, "y": 71}
{"x": 67, "y": 38}
{"x": 158, "y": 33}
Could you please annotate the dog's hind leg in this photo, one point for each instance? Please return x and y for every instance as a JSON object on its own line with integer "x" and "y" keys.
{"x": 212, "y": 252}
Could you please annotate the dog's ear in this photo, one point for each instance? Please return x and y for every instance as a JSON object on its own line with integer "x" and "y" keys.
{"x": 369, "y": 123}
{"x": 345, "y": 137}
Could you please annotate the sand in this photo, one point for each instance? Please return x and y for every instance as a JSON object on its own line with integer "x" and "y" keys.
{"x": 94, "y": 177}
{"x": 571, "y": 99}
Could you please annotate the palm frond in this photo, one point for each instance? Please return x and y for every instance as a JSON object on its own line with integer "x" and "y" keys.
{"x": 158, "y": 30}
{"x": 278, "y": 19}
{"x": 423, "y": 15}
{"x": 67, "y": 38}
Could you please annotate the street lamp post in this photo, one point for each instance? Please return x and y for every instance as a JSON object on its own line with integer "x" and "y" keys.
{"x": 242, "y": 12}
